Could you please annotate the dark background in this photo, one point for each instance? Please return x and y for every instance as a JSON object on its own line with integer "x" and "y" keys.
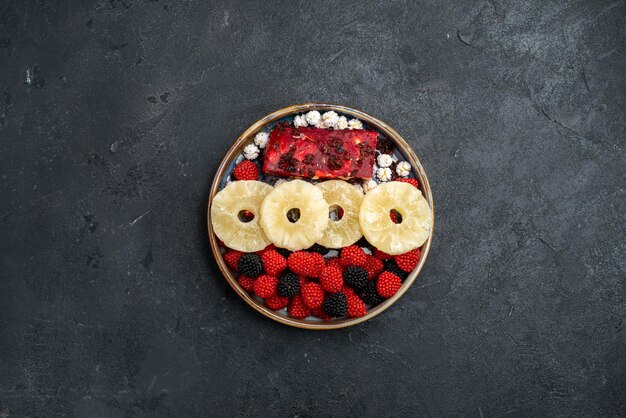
{"x": 115, "y": 114}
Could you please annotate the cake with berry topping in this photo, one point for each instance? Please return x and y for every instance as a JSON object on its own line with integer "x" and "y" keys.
{"x": 317, "y": 153}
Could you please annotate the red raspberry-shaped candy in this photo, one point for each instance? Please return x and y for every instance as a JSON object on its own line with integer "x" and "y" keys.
{"x": 232, "y": 258}
{"x": 408, "y": 261}
{"x": 352, "y": 255}
{"x": 266, "y": 286}
{"x": 373, "y": 266}
{"x": 297, "y": 309}
{"x": 276, "y": 303}
{"x": 247, "y": 283}
{"x": 305, "y": 263}
{"x": 312, "y": 295}
{"x": 331, "y": 279}
{"x": 388, "y": 284}
{"x": 246, "y": 170}
{"x": 273, "y": 262}
{"x": 356, "y": 307}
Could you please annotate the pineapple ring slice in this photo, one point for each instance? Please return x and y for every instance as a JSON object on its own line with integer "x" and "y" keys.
{"x": 381, "y": 231}
{"x": 238, "y": 196}
{"x": 345, "y": 231}
{"x": 294, "y": 233}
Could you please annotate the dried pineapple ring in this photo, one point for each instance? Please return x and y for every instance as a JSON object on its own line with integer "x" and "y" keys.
{"x": 294, "y": 215}
{"x": 381, "y": 231}
{"x": 345, "y": 231}
{"x": 227, "y": 218}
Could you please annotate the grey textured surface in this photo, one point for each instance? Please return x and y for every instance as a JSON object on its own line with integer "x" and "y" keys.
{"x": 115, "y": 114}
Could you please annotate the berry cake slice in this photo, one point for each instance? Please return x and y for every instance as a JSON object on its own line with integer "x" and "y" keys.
{"x": 320, "y": 153}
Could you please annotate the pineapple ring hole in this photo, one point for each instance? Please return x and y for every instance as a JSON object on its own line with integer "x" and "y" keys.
{"x": 395, "y": 214}
{"x": 335, "y": 213}
{"x": 293, "y": 215}
{"x": 245, "y": 216}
